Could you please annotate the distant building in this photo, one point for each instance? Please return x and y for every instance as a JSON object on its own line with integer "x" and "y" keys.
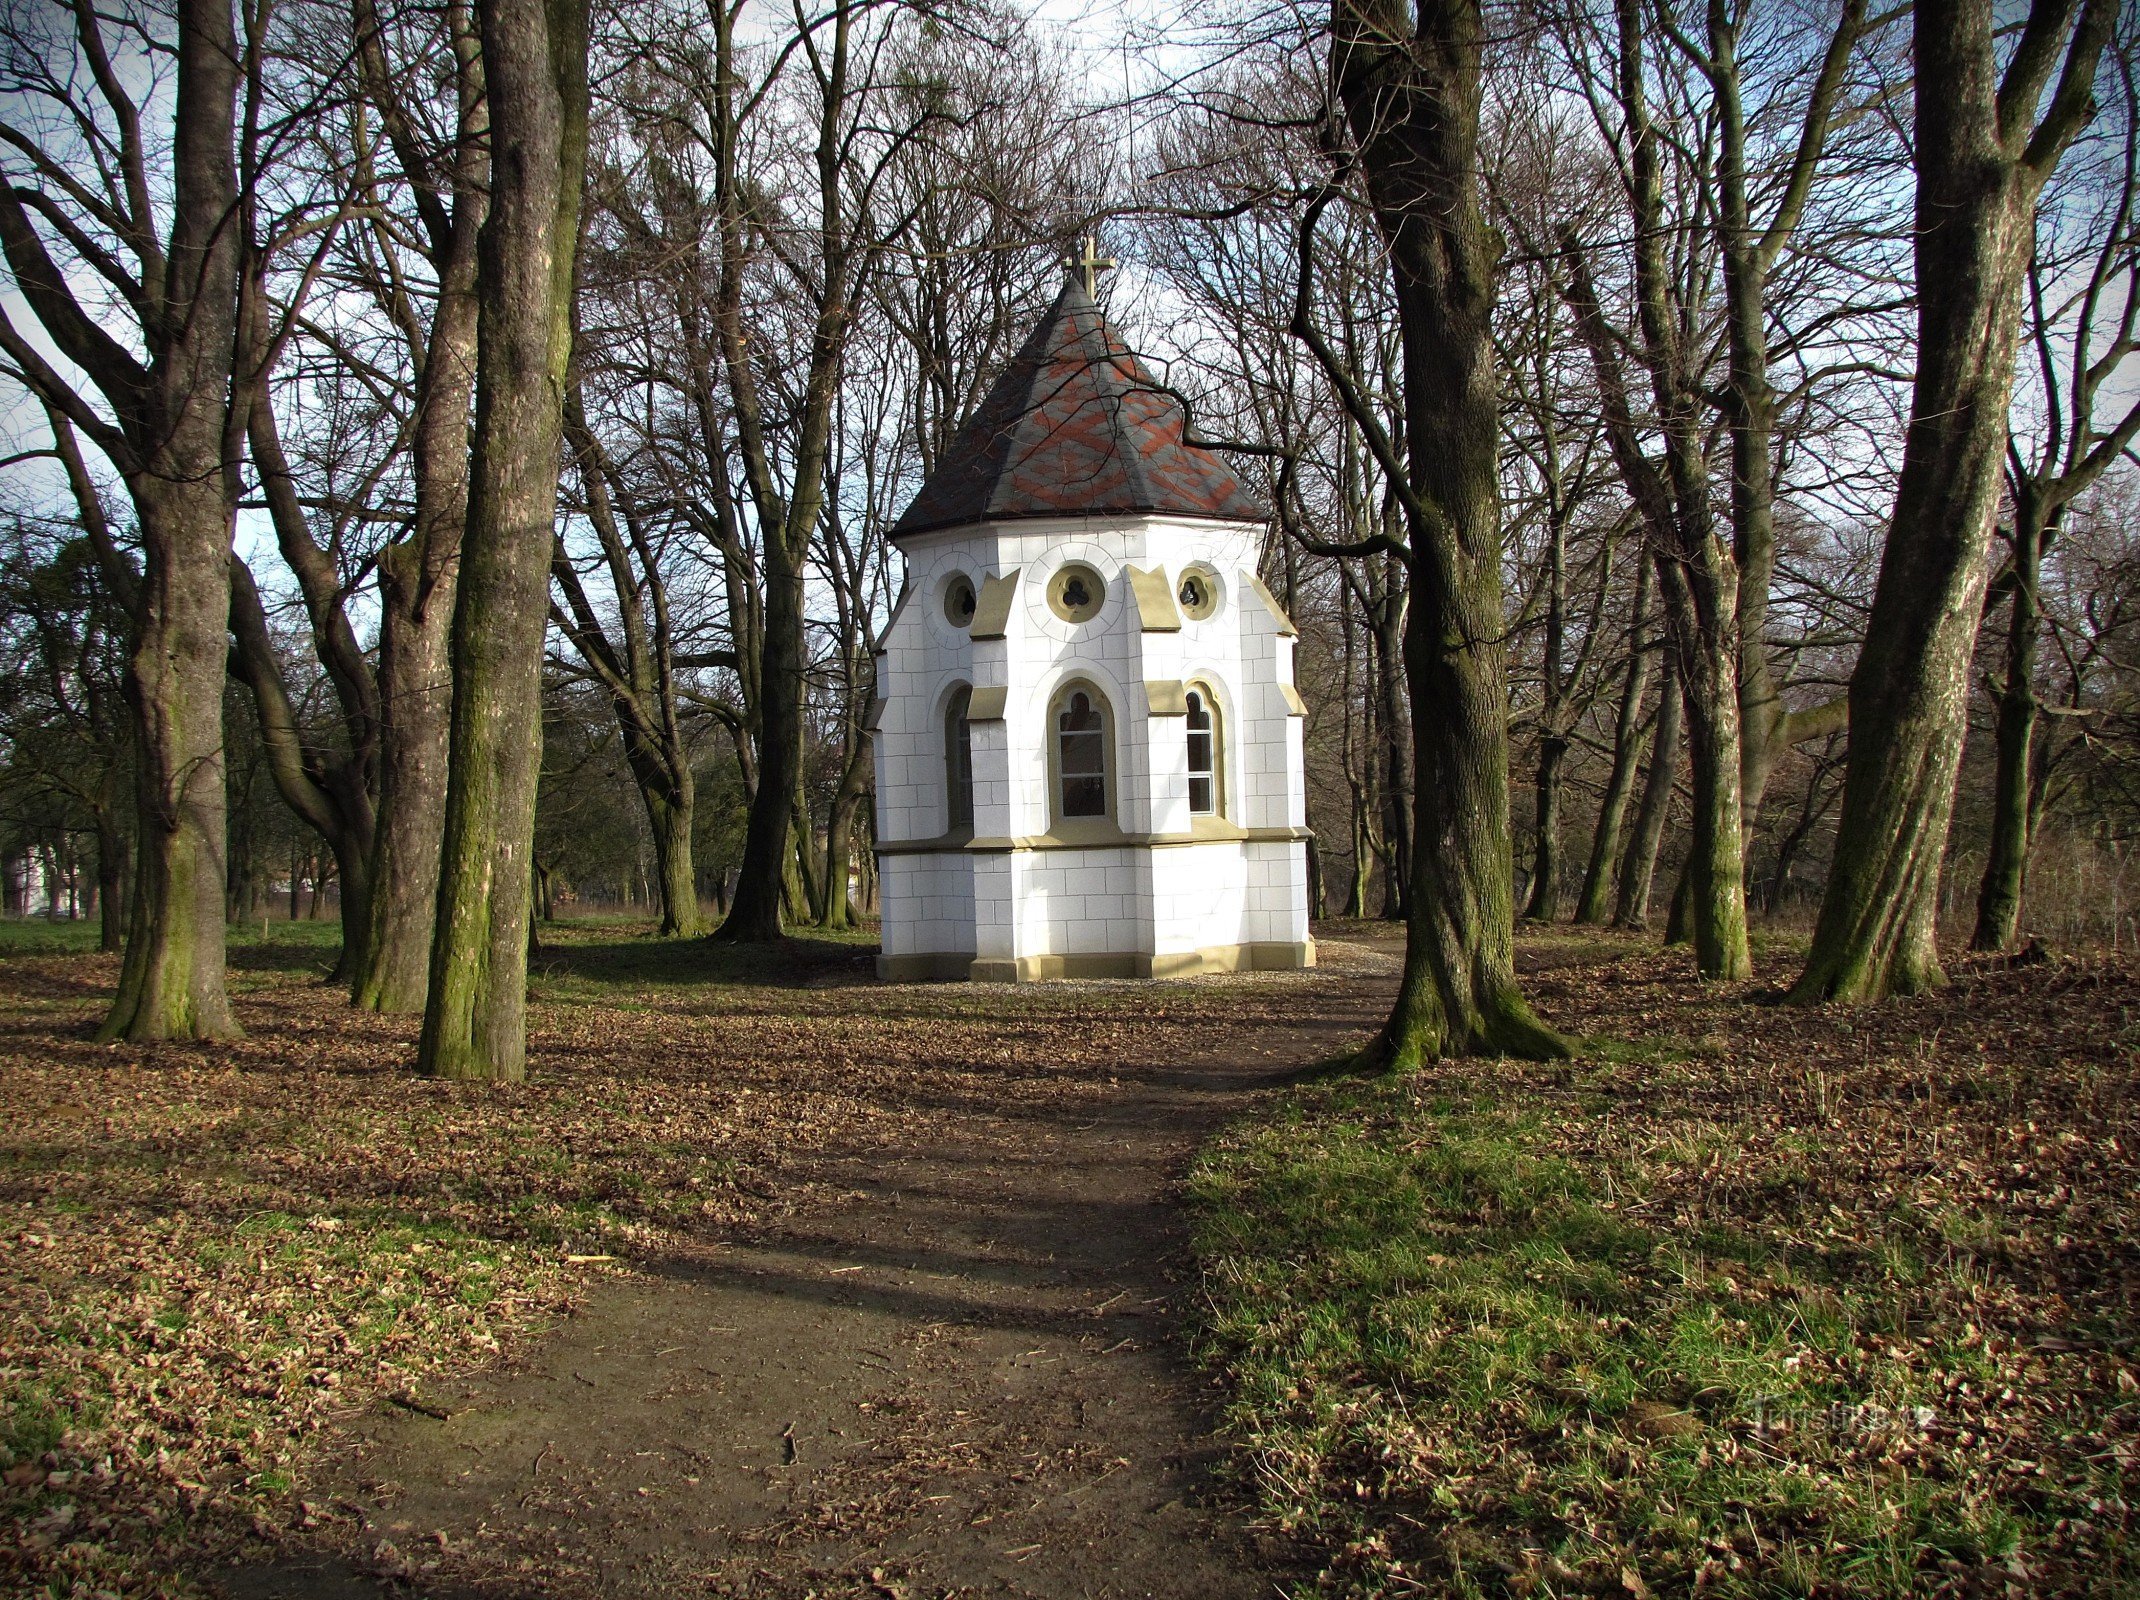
{"x": 1088, "y": 742}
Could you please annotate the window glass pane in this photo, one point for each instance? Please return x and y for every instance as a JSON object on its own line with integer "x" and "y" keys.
{"x": 1081, "y": 755}
{"x": 1203, "y": 787}
{"x": 1081, "y": 758}
{"x": 958, "y": 760}
{"x": 1084, "y": 797}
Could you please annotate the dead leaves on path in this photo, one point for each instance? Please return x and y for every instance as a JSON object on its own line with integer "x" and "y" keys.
{"x": 214, "y": 1251}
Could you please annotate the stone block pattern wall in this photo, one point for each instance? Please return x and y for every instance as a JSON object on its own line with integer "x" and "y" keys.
{"x": 1128, "y": 898}
{"x": 927, "y": 904}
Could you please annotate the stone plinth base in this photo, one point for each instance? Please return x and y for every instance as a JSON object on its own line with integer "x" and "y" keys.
{"x": 940, "y": 966}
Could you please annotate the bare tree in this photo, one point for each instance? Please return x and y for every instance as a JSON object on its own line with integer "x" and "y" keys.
{"x": 91, "y": 139}
{"x": 1987, "y": 140}
{"x": 2079, "y": 319}
{"x": 1407, "y": 79}
{"x": 535, "y": 72}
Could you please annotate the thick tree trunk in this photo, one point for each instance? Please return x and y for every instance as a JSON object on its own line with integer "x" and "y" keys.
{"x": 1639, "y": 870}
{"x": 535, "y": 66}
{"x": 1544, "y": 903}
{"x": 669, "y": 819}
{"x": 2012, "y": 809}
{"x": 415, "y": 718}
{"x": 1627, "y": 739}
{"x": 761, "y": 879}
{"x": 418, "y": 574}
{"x": 111, "y": 880}
{"x": 1411, "y": 95}
{"x": 1981, "y": 161}
{"x": 171, "y": 983}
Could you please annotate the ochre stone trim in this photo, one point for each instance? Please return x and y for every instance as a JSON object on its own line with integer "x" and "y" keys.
{"x": 1156, "y": 611}
{"x": 1166, "y": 697}
{"x": 906, "y": 594}
{"x": 936, "y": 966}
{"x": 987, "y": 704}
{"x": 1174, "y": 964}
{"x": 1294, "y": 705}
{"x": 992, "y": 612}
{"x": 1270, "y": 601}
{"x": 873, "y": 719}
{"x": 1207, "y": 830}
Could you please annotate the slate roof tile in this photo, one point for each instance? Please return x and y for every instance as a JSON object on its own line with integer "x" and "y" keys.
{"x": 1076, "y": 426}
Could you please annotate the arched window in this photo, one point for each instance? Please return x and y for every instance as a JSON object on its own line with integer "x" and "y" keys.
{"x": 1081, "y": 752}
{"x": 1204, "y": 797}
{"x": 958, "y": 758}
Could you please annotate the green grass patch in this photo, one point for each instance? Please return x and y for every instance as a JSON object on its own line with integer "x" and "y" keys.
{"x": 1467, "y": 1358}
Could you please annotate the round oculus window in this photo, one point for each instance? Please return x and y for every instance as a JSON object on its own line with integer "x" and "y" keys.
{"x": 1076, "y": 593}
{"x": 1198, "y": 593}
{"x": 960, "y": 603}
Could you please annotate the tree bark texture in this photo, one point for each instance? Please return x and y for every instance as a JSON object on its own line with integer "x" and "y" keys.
{"x": 535, "y": 67}
{"x": 2006, "y": 857}
{"x": 418, "y": 573}
{"x": 1982, "y": 157}
{"x": 1592, "y": 905}
{"x": 183, "y": 484}
{"x": 1409, "y": 83}
{"x": 1767, "y": 727}
{"x": 1639, "y": 870}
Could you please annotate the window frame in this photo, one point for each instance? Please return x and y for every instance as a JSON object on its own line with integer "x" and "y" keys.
{"x": 1058, "y": 705}
{"x": 958, "y": 759}
{"x": 1200, "y": 692}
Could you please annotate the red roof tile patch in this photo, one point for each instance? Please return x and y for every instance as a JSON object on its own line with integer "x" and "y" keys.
{"x": 1076, "y": 426}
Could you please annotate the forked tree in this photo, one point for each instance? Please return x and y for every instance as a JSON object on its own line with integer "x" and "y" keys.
{"x": 1987, "y": 141}
{"x": 1407, "y": 81}
{"x": 2082, "y": 326}
{"x": 535, "y": 69}
{"x": 447, "y": 181}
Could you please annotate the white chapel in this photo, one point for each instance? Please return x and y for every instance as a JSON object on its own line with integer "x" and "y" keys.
{"x": 1088, "y": 741}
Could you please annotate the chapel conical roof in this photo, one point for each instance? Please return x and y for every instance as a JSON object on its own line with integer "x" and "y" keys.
{"x": 1076, "y": 426}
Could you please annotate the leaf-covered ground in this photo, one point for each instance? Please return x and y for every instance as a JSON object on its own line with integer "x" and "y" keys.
{"x": 213, "y": 1254}
{"x": 1745, "y": 1300}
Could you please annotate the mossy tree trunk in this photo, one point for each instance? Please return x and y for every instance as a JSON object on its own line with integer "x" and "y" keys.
{"x": 1698, "y": 576}
{"x": 1982, "y": 156}
{"x": 1408, "y": 80}
{"x": 535, "y": 70}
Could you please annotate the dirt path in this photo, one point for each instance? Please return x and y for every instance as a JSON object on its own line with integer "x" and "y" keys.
{"x": 966, "y": 1378}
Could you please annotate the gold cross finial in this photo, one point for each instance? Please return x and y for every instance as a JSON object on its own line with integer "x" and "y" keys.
{"x": 1090, "y": 263}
